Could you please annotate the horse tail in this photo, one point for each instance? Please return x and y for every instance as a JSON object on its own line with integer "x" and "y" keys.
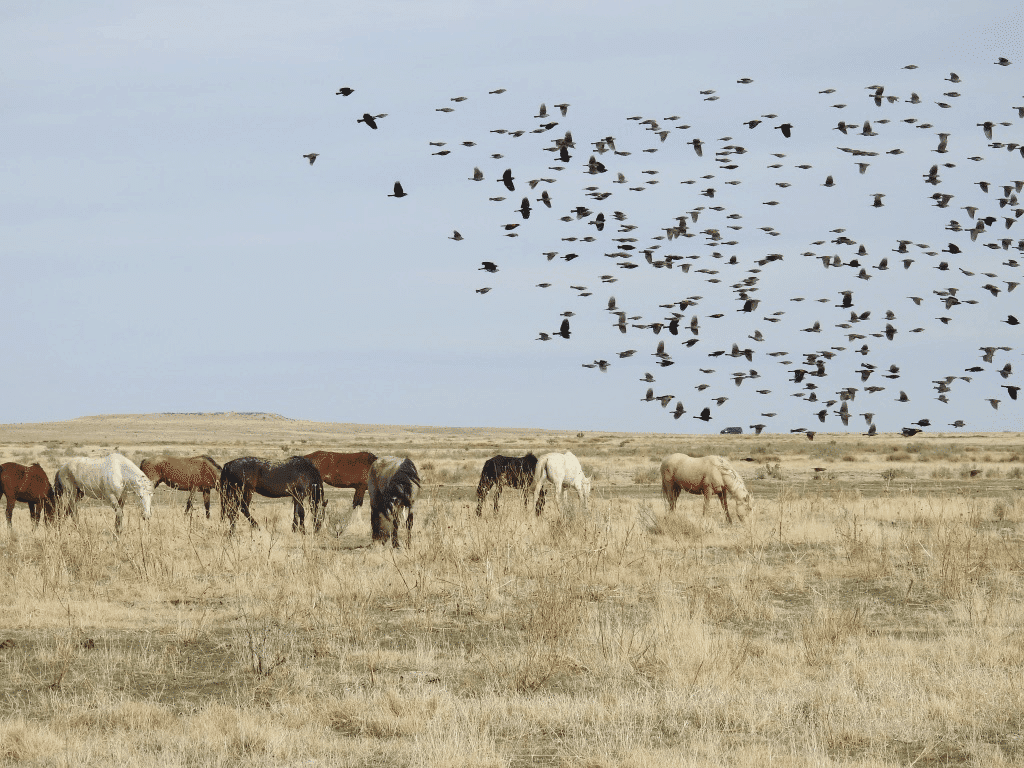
{"x": 539, "y": 472}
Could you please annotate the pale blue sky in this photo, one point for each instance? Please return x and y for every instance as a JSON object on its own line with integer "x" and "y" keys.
{"x": 165, "y": 247}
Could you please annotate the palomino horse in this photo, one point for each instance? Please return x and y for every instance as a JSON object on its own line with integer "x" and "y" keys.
{"x": 560, "y": 469}
{"x": 344, "y": 470}
{"x": 108, "y": 479}
{"x": 393, "y": 485}
{"x": 705, "y": 475}
{"x": 295, "y": 477}
{"x": 511, "y": 471}
{"x": 31, "y": 486}
{"x": 200, "y": 473}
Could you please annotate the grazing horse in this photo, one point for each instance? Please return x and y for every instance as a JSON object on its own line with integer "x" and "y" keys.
{"x": 705, "y": 475}
{"x": 511, "y": 471}
{"x": 560, "y": 469}
{"x": 295, "y": 477}
{"x": 31, "y": 486}
{"x": 344, "y": 470}
{"x": 200, "y": 473}
{"x": 107, "y": 479}
{"x": 393, "y": 485}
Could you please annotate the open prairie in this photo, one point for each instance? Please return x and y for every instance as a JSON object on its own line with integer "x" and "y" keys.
{"x": 870, "y": 611}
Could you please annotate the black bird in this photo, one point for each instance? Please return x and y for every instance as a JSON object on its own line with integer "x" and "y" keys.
{"x": 563, "y": 331}
{"x": 524, "y": 208}
{"x": 506, "y": 178}
{"x": 705, "y": 415}
{"x": 345, "y": 91}
{"x": 786, "y": 129}
{"x": 399, "y": 192}
{"x": 312, "y": 156}
{"x": 368, "y": 119}
{"x": 489, "y": 266}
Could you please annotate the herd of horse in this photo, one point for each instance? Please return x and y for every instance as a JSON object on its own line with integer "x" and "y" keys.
{"x": 392, "y": 483}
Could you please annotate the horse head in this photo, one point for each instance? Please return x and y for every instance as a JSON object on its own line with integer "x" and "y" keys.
{"x": 145, "y": 490}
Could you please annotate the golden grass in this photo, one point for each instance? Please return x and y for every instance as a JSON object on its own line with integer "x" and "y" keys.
{"x": 854, "y": 619}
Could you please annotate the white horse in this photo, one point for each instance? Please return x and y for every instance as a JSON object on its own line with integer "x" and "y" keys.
{"x": 705, "y": 475}
{"x": 560, "y": 469}
{"x": 107, "y": 479}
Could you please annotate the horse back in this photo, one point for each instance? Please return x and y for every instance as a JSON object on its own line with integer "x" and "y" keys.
{"x": 342, "y": 470}
{"x": 24, "y": 483}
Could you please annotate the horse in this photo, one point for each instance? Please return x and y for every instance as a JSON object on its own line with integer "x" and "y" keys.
{"x": 31, "y": 486}
{"x": 558, "y": 469}
{"x": 393, "y": 485}
{"x": 108, "y": 479}
{"x": 344, "y": 470}
{"x": 295, "y": 477}
{"x": 511, "y": 471}
{"x": 705, "y": 475}
{"x": 200, "y": 473}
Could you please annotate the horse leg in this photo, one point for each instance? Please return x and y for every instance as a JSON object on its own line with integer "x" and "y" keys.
{"x": 725, "y": 505}
{"x": 10, "y": 513}
{"x": 357, "y": 500}
{"x": 497, "y": 495}
{"x": 481, "y": 495}
{"x": 408, "y": 526}
{"x": 559, "y": 490}
{"x": 206, "y": 502}
{"x": 246, "y": 498}
{"x": 298, "y": 516}
{"x": 188, "y": 502}
{"x": 34, "y": 513}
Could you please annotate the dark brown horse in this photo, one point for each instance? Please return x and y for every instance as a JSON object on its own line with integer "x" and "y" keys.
{"x": 295, "y": 477}
{"x": 344, "y": 470}
{"x": 394, "y": 485}
{"x": 200, "y": 473}
{"x": 31, "y": 486}
{"x": 511, "y": 471}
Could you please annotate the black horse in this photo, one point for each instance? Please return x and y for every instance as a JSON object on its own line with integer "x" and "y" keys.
{"x": 511, "y": 471}
{"x": 296, "y": 477}
{"x": 393, "y": 486}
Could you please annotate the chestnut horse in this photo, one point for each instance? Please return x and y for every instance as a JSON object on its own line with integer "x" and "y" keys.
{"x": 295, "y": 477}
{"x": 31, "y": 486}
{"x": 344, "y": 470}
{"x": 200, "y": 473}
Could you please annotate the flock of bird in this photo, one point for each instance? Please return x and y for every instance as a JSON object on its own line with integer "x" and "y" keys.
{"x": 943, "y": 288}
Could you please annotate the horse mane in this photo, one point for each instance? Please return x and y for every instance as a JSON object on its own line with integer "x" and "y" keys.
{"x": 731, "y": 478}
{"x": 212, "y": 461}
{"x": 399, "y": 485}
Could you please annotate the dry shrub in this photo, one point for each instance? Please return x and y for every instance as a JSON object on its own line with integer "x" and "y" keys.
{"x": 900, "y": 456}
{"x": 24, "y": 743}
{"x": 380, "y": 714}
{"x": 674, "y": 525}
{"x": 648, "y": 476}
{"x": 824, "y": 633}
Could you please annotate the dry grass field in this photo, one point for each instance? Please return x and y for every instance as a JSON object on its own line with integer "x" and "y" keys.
{"x": 869, "y": 612}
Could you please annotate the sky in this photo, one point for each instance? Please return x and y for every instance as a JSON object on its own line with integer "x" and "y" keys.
{"x": 166, "y": 247}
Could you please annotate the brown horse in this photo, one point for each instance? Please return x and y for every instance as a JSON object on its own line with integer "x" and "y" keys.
{"x": 200, "y": 473}
{"x": 344, "y": 470}
{"x": 31, "y": 486}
